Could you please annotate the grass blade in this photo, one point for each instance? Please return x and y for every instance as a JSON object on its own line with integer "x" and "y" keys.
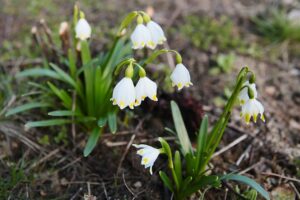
{"x": 38, "y": 72}
{"x": 26, "y": 107}
{"x": 166, "y": 180}
{"x": 181, "y": 130}
{"x": 92, "y": 141}
{"x": 247, "y": 181}
{"x": 112, "y": 122}
{"x": 50, "y": 122}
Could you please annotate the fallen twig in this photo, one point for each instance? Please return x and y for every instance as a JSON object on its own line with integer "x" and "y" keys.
{"x": 230, "y": 145}
{"x": 280, "y": 176}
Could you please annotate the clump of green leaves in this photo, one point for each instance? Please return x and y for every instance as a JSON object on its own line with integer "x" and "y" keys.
{"x": 82, "y": 85}
{"x": 276, "y": 27}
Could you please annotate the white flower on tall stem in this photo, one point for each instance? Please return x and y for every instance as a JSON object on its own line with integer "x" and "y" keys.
{"x": 124, "y": 94}
{"x": 149, "y": 155}
{"x": 145, "y": 88}
{"x": 141, "y": 37}
{"x": 252, "y": 108}
{"x": 243, "y": 95}
{"x": 156, "y": 32}
{"x": 181, "y": 77}
{"x": 83, "y": 30}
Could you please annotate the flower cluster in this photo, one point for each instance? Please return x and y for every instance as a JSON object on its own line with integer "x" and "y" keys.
{"x": 251, "y": 107}
{"x": 149, "y": 35}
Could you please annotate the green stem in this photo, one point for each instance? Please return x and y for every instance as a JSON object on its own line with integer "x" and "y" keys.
{"x": 218, "y": 130}
{"x": 88, "y": 77}
{"x": 154, "y": 55}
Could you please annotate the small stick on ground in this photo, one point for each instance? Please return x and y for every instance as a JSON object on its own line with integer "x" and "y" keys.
{"x": 295, "y": 189}
{"x": 125, "y": 153}
{"x": 127, "y": 186}
{"x": 48, "y": 156}
{"x": 229, "y": 146}
{"x": 252, "y": 166}
{"x": 280, "y": 176}
{"x": 76, "y": 194}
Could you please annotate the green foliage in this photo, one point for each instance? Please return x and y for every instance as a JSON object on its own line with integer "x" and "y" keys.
{"x": 189, "y": 178}
{"x": 205, "y": 32}
{"x": 9, "y": 182}
{"x": 224, "y": 63}
{"x": 81, "y": 93}
{"x": 276, "y": 27}
{"x": 247, "y": 181}
{"x": 5, "y": 91}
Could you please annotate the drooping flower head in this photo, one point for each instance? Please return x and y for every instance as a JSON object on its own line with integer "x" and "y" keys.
{"x": 145, "y": 87}
{"x": 83, "y": 30}
{"x": 149, "y": 155}
{"x": 156, "y": 32}
{"x": 252, "y": 108}
{"x": 181, "y": 77}
{"x": 141, "y": 36}
{"x": 243, "y": 95}
{"x": 124, "y": 94}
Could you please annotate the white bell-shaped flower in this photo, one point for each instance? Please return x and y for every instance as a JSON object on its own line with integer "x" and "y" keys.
{"x": 83, "y": 30}
{"x": 243, "y": 95}
{"x": 252, "y": 108}
{"x": 157, "y": 34}
{"x": 149, "y": 155}
{"x": 145, "y": 88}
{"x": 141, "y": 37}
{"x": 124, "y": 94}
{"x": 181, "y": 77}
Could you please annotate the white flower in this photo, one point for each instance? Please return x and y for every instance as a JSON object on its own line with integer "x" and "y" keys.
{"x": 141, "y": 37}
{"x": 252, "y": 108}
{"x": 83, "y": 29}
{"x": 157, "y": 34}
{"x": 149, "y": 155}
{"x": 145, "y": 88}
{"x": 181, "y": 77}
{"x": 243, "y": 95}
{"x": 124, "y": 94}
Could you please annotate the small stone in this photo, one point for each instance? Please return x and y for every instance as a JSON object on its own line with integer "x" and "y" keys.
{"x": 137, "y": 184}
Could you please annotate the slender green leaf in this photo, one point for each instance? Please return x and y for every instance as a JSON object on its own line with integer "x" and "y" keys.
{"x": 62, "y": 95}
{"x": 89, "y": 76}
{"x": 203, "y": 182}
{"x": 50, "y": 122}
{"x": 166, "y": 180}
{"x": 26, "y": 107}
{"x": 190, "y": 164}
{"x": 201, "y": 144}
{"x": 186, "y": 183}
{"x": 177, "y": 166}
{"x": 112, "y": 122}
{"x": 247, "y": 181}
{"x": 72, "y": 63}
{"x": 182, "y": 134}
{"x": 102, "y": 121}
{"x": 92, "y": 141}
{"x": 38, "y": 72}
{"x": 63, "y": 113}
